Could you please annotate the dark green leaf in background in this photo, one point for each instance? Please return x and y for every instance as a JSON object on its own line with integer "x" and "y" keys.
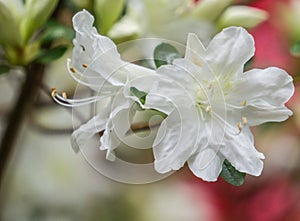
{"x": 141, "y": 95}
{"x": 56, "y": 31}
{"x": 164, "y": 54}
{"x": 231, "y": 175}
{"x": 48, "y": 56}
{"x": 295, "y": 49}
{"x": 4, "y": 69}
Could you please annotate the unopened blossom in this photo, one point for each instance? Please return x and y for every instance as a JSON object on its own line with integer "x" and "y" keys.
{"x": 96, "y": 64}
{"x": 211, "y": 103}
{"x": 173, "y": 20}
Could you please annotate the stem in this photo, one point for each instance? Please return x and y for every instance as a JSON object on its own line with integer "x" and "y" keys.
{"x": 34, "y": 75}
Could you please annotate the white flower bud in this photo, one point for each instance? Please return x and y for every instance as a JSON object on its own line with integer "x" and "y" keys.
{"x": 107, "y": 13}
{"x": 36, "y": 14}
{"x": 210, "y": 9}
{"x": 247, "y": 17}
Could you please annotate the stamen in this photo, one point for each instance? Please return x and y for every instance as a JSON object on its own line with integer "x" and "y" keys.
{"x": 80, "y": 78}
{"x": 244, "y": 103}
{"x": 53, "y": 92}
{"x": 64, "y": 101}
{"x": 210, "y": 86}
{"x": 83, "y": 48}
{"x": 196, "y": 61}
{"x": 84, "y": 65}
{"x": 240, "y": 126}
{"x": 73, "y": 69}
{"x": 64, "y": 95}
{"x": 244, "y": 119}
{"x": 208, "y": 109}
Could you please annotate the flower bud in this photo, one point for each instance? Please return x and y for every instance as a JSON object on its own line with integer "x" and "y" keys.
{"x": 8, "y": 26}
{"x": 36, "y": 14}
{"x": 107, "y": 13}
{"x": 210, "y": 9}
{"x": 247, "y": 17}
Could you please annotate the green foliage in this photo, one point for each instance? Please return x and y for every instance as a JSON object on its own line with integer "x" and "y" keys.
{"x": 141, "y": 95}
{"x": 4, "y": 69}
{"x": 295, "y": 49}
{"x": 164, "y": 54}
{"x": 54, "y": 31}
{"x": 48, "y": 56}
{"x": 231, "y": 175}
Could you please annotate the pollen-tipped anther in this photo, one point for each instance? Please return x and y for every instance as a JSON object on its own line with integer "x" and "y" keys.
{"x": 244, "y": 120}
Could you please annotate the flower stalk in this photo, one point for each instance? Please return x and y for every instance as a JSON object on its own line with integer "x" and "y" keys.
{"x": 28, "y": 93}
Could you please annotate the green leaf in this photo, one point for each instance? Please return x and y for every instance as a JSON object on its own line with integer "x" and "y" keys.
{"x": 48, "y": 56}
{"x": 231, "y": 175}
{"x": 295, "y": 49}
{"x": 55, "y": 31}
{"x": 164, "y": 54}
{"x": 141, "y": 95}
{"x": 4, "y": 69}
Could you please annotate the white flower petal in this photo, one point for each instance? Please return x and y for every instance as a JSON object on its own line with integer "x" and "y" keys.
{"x": 241, "y": 153}
{"x": 118, "y": 123}
{"x": 229, "y": 51}
{"x": 194, "y": 48}
{"x": 271, "y": 86}
{"x": 206, "y": 164}
{"x": 257, "y": 115}
{"x": 92, "y": 50}
{"x": 89, "y": 129}
{"x": 170, "y": 91}
{"x": 264, "y": 92}
{"x": 176, "y": 140}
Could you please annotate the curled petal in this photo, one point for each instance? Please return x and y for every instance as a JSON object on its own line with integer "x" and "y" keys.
{"x": 86, "y": 131}
{"x": 241, "y": 153}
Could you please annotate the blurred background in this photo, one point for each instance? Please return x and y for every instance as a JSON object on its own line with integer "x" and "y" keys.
{"x": 43, "y": 179}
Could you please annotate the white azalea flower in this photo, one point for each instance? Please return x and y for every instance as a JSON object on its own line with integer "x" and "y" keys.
{"x": 211, "y": 103}
{"x": 96, "y": 64}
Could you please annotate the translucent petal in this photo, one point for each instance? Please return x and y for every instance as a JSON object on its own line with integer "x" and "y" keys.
{"x": 86, "y": 131}
{"x": 176, "y": 140}
{"x": 241, "y": 153}
{"x": 229, "y": 51}
{"x": 206, "y": 164}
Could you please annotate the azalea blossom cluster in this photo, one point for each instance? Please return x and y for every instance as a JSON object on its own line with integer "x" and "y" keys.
{"x": 207, "y": 100}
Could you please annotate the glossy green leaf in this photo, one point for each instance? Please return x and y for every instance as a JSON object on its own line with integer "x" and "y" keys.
{"x": 48, "y": 56}
{"x": 231, "y": 175}
{"x": 164, "y": 54}
{"x": 141, "y": 95}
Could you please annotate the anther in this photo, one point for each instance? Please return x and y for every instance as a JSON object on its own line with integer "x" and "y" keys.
{"x": 210, "y": 86}
{"x": 53, "y": 92}
{"x": 244, "y": 103}
{"x": 244, "y": 120}
{"x": 72, "y": 69}
{"x": 64, "y": 95}
{"x": 208, "y": 109}
{"x": 196, "y": 61}
{"x": 84, "y": 65}
{"x": 240, "y": 126}
{"x": 83, "y": 48}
